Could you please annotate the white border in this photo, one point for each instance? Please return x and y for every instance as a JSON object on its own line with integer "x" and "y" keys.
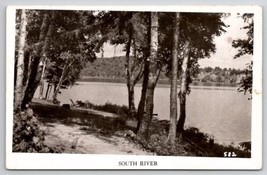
{"x": 93, "y": 161}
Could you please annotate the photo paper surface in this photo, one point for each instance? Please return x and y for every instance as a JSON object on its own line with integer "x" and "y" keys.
{"x": 137, "y": 87}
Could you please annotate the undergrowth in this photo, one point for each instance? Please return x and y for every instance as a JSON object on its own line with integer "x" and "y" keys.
{"x": 107, "y": 107}
{"x": 27, "y": 135}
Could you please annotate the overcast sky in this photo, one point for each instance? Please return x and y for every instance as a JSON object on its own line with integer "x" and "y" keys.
{"x": 224, "y": 51}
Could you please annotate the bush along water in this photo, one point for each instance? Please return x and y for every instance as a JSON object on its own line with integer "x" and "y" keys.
{"x": 107, "y": 107}
{"x": 27, "y": 135}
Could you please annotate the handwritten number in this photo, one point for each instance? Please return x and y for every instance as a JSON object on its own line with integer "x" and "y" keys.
{"x": 230, "y": 154}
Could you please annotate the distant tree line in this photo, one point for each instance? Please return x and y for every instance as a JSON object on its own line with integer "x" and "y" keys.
{"x": 114, "y": 68}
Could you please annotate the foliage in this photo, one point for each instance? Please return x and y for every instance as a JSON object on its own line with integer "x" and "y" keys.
{"x": 246, "y": 81}
{"x": 245, "y": 47}
{"x": 27, "y": 135}
{"x": 246, "y": 146}
{"x": 72, "y": 45}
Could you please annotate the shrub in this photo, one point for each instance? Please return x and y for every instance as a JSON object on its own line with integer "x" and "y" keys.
{"x": 27, "y": 135}
{"x": 107, "y": 107}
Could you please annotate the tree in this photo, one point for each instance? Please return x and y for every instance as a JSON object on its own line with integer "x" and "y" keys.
{"x": 183, "y": 88}
{"x": 69, "y": 60}
{"x": 245, "y": 46}
{"x": 197, "y": 36}
{"x": 154, "y": 71}
{"x": 45, "y": 48}
{"x": 19, "y": 88}
{"x": 174, "y": 72}
{"x": 34, "y": 67}
{"x": 127, "y": 28}
{"x": 71, "y": 30}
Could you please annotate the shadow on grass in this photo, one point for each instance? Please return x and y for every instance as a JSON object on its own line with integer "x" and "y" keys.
{"x": 90, "y": 122}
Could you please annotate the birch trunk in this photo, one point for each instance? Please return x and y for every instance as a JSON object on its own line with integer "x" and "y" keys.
{"x": 141, "y": 105}
{"x": 18, "y": 92}
{"x": 57, "y": 88}
{"x": 41, "y": 84}
{"x": 182, "y": 94}
{"x": 47, "y": 91}
{"x": 173, "y": 93}
{"x": 130, "y": 85}
{"x": 152, "y": 79}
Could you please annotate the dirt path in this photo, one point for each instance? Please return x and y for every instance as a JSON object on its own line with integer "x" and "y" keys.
{"x": 76, "y": 140}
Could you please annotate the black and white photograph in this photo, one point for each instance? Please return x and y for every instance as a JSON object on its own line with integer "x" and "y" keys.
{"x": 134, "y": 87}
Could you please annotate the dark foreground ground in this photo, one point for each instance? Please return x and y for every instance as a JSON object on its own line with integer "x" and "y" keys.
{"x": 88, "y": 129}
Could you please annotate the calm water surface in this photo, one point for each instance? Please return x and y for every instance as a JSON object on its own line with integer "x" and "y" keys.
{"x": 218, "y": 111}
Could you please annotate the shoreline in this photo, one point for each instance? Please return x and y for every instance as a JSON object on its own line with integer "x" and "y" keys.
{"x": 208, "y": 87}
{"x": 160, "y": 82}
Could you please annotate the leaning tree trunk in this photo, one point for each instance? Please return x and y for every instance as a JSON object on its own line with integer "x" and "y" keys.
{"x": 141, "y": 105}
{"x": 173, "y": 94}
{"x": 47, "y": 91}
{"x": 152, "y": 79}
{"x": 44, "y": 53}
{"x": 41, "y": 84}
{"x": 32, "y": 82}
{"x": 19, "y": 88}
{"x": 182, "y": 94}
{"x": 130, "y": 85}
{"x": 57, "y": 88}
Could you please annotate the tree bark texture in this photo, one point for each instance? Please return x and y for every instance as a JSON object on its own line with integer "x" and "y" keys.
{"x": 19, "y": 88}
{"x": 37, "y": 64}
{"x": 141, "y": 105}
{"x": 129, "y": 74}
{"x": 152, "y": 78}
{"x": 183, "y": 89}
{"x": 173, "y": 93}
{"x": 60, "y": 82}
{"x": 44, "y": 52}
{"x": 49, "y": 86}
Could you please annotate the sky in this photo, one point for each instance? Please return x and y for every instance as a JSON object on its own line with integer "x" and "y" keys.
{"x": 224, "y": 56}
{"x": 224, "y": 51}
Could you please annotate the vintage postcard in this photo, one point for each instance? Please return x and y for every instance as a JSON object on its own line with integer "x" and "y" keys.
{"x": 134, "y": 87}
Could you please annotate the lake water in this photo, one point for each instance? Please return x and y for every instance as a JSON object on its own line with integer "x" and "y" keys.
{"x": 218, "y": 111}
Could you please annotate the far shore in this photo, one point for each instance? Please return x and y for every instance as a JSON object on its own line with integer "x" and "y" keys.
{"x": 160, "y": 82}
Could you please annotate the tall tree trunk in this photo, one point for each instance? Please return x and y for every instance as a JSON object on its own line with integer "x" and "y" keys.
{"x": 57, "y": 88}
{"x": 174, "y": 71}
{"x": 18, "y": 93}
{"x": 44, "y": 58}
{"x": 153, "y": 75}
{"x": 141, "y": 105}
{"x": 38, "y": 67}
{"x": 41, "y": 84}
{"x": 131, "y": 99}
{"x": 32, "y": 83}
{"x": 182, "y": 94}
{"x": 47, "y": 91}
{"x": 130, "y": 85}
